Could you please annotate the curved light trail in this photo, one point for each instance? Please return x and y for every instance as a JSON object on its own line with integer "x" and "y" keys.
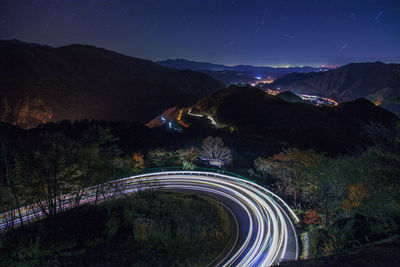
{"x": 213, "y": 122}
{"x": 265, "y": 235}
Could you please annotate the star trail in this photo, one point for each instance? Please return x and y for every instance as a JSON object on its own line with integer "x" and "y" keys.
{"x": 228, "y": 31}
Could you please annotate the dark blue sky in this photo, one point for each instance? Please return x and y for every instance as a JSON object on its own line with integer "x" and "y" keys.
{"x": 220, "y": 31}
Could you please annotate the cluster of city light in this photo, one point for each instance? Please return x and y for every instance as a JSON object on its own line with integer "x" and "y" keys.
{"x": 319, "y": 101}
{"x": 329, "y": 66}
{"x": 261, "y": 81}
{"x": 272, "y": 92}
{"x": 266, "y": 238}
{"x": 378, "y": 102}
{"x": 313, "y": 99}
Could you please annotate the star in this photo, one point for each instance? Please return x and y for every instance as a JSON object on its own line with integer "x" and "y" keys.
{"x": 378, "y": 16}
{"x": 343, "y": 48}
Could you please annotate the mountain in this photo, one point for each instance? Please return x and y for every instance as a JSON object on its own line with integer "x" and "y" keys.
{"x": 377, "y": 81}
{"x": 194, "y": 65}
{"x": 191, "y": 65}
{"x": 39, "y": 84}
{"x": 234, "y": 74}
{"x": 253, "y": 112}
{"x": 229, "y": 77}
{"x": 289, "y": 96}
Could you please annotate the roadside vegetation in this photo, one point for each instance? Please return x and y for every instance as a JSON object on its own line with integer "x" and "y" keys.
{"x": 346, "y": 201}
{"x": 146, "y": 229}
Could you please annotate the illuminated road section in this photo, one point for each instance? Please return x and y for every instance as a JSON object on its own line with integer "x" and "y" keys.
{"x": 213, "y": 122}
{"x": 265, "y": 233}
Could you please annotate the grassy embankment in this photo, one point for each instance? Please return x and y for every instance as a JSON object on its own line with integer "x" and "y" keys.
{"x": 146, "y": 229}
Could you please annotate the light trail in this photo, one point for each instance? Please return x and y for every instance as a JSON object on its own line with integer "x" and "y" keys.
{"x": 266, "y": 233}
{"x": 213, "y": 122}
{"x": 312, "y": 99}
{"x": 319, "y": 101}
{"x": 179, "y": 119}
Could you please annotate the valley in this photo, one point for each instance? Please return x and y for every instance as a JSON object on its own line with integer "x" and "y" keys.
{"x": 277, "y": 156}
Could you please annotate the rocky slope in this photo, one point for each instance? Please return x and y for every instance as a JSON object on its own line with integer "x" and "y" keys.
{"x": 40, "y": 84}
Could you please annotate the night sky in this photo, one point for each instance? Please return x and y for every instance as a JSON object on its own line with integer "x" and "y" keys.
{"x": 219, "y": 31}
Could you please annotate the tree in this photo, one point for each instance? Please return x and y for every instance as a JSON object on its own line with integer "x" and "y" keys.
{"x": 138, "y": 161}
{"x": 48, "y": 171}
{"x": 89, "y": 169}
{"x": 311, "y": 217}
{"x": 6, "y": 207}
{"x": 6, "y": 166}
{"x": 322, "y": 186}
{"x": 103, "y": 137}
{"x": 190, "y": 154}
{"x": 187, "y": 165}
{"x": 357, "y": 194}
{"x": 262, "y": 168}
{"x": 130, "y": 163}
{"x": 214, "y": 151}
{"x": 288, "y": 168}
{"x": 161, "y": 157}
{"x": 98, "y": 157}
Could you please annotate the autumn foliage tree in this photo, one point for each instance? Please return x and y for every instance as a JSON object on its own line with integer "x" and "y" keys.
{"x": 357, "y": 193}
{"x": 288, "y": 168}
{"x": 311, "y": 217}
{"x": 138, "y": 161}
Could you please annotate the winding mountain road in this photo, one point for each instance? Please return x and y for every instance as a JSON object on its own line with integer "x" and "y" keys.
{"x": 265, "y": 233}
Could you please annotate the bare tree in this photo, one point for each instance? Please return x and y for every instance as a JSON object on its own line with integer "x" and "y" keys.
{"x": 7, "y": 178}
{"x": 288, "y": 168}
{"x": 215, "y": 152}
{"x": 7, "y": 215}
{"x": 47, "y": 172}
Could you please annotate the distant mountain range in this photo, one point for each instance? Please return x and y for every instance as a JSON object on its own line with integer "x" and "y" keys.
{"x": 377, "y": 81}
{"x": 251, "y": 111}
{"x": 234, "y": 74}
{"x": 39, "y": 84}
{"x": 194, "y": 65}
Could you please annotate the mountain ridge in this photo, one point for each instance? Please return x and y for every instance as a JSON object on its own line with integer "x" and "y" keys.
{"x": 42, "y": 84}
{"x": 180, "y": 63}
{"x": 377, "y": 81}
{"x": 253, "y": 112}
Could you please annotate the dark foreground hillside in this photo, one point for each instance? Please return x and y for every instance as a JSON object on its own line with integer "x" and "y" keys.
{"x": 251, "y": 111}
{"x": 40, "y": 84}
{"x": 380, "y": 254}
{"x": 147, "y": 229}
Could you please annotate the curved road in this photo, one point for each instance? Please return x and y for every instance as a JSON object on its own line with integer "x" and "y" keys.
{"x": 265, "y": 232}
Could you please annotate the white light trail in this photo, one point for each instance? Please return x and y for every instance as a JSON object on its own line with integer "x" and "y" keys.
{"x": 268, "y": 238}
{"x": 213, "y": 122}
